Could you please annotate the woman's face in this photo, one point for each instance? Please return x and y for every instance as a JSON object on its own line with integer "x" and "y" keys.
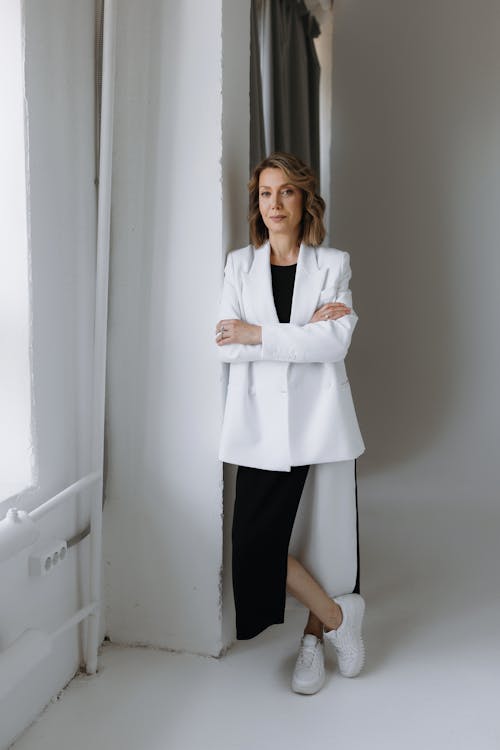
{"x": 280, "y": 203}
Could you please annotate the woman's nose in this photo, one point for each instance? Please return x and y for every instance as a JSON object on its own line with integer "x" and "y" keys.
{"x": 276, "y": 201}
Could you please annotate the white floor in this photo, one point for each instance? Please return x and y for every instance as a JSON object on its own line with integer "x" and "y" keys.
{"x": 431, "y": 678}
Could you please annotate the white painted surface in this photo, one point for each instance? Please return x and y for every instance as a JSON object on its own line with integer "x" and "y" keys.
{"x": 60, "y": 94}
{"x": 105, "y": 36}
{"x": 235, "y": 175}
{"x": 416, "y": 190}
{"x": 17, "y": 531}
{"x": 163, "y": 512}
{"x": 430, "y": 679}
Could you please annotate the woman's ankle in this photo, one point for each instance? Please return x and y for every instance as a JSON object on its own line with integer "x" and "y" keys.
{"x": 314, "y": 626}
{"x": 314, "y": 630}
{"x": 336, "y": 620}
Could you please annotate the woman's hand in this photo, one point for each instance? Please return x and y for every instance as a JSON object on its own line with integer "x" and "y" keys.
{"x": 330, "y": 311}
{"x": 236, "y": 331}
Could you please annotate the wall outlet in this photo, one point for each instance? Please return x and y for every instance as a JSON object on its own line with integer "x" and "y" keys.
{"x": 46, "y": 558}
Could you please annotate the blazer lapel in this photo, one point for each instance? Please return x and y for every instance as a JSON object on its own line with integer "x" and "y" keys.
{"x": 258, "y": 290}
{"x": 308, "y": 284}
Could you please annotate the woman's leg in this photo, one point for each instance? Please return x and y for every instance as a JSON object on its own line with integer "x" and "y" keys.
{"x": 323, "y": 610}
{"x": 314, "y": 624}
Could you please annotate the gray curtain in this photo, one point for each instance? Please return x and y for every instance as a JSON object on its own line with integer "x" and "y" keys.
{"x": 284, "y": 81}
{"x": 98, "y": 42}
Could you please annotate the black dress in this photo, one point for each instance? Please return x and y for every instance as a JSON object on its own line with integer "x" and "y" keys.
{"x": 265, "y": 508}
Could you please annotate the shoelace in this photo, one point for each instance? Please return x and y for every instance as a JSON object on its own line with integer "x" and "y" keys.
{"x": 306, "y": 655}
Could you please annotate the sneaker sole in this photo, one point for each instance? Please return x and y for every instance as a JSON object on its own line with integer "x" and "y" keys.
{"x": 309, "y": 689}
{"x": 345, "y": 673}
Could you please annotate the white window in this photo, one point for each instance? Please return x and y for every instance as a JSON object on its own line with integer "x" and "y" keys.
{"x": 17, "y": 465}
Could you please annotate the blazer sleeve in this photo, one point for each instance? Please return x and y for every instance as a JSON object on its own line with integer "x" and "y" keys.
{"x": 229, "y": 308}
{"x": 322, "y": 341}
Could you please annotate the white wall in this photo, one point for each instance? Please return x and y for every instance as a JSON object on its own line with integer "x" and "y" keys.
{"x": 59, "y": 94}
{"x": 163, "y": 522}
{"x": 415, "y": 196}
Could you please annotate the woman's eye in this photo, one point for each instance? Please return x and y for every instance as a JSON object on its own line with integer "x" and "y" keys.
{"x": 288, "y": 191}
{"x": 264, "y": 194}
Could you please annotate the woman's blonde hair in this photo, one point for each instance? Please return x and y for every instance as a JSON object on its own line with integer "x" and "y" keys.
{"x": 301, "y": 176}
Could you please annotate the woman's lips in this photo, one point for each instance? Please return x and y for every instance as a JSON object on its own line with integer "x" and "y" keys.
{"x": 277, "y": 218}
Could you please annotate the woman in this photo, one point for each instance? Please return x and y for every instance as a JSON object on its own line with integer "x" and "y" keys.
{"x": 285, "y": 328}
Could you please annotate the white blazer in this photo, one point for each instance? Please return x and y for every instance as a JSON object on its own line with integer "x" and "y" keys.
{"x": 288, "y": 400}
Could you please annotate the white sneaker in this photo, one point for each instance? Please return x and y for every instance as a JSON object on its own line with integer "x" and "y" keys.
{"x": 347, "y": 639}
{"x": 309, "y": 672}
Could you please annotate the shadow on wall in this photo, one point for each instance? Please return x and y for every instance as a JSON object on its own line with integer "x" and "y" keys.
{"x": 401, "y": 368}
{"x": 397, "y": 149}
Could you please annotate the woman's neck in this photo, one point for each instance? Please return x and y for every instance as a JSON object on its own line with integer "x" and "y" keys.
{"x": 284, "y": 249}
